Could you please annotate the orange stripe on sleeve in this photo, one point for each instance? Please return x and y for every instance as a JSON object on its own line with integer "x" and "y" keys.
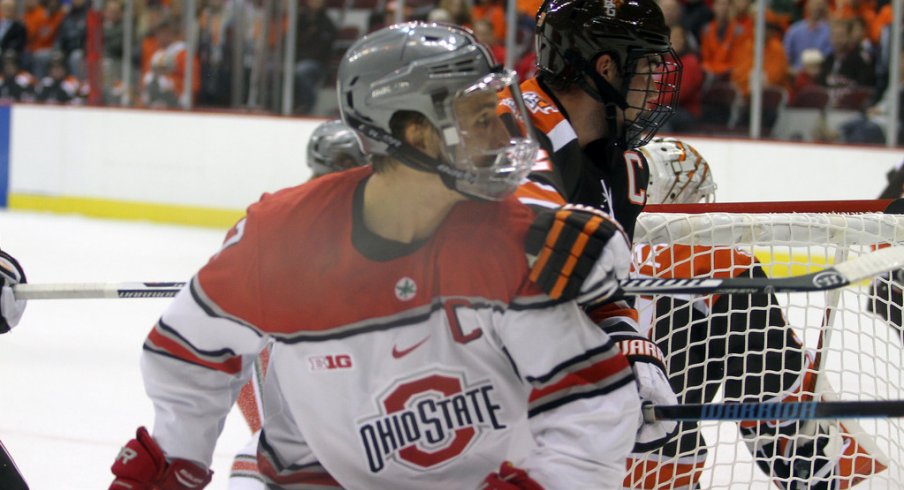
{"x": 551, "y": 237}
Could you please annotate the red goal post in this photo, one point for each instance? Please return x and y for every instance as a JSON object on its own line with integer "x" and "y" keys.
{"x": 858, "y": 356}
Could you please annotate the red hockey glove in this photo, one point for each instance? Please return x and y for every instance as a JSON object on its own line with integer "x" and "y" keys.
{"x": 509, "y": 478}
{"x": 141, "y": 465}
{"x": 577, "y": 253}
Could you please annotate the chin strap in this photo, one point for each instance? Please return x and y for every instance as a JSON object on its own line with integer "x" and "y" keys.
{"x": 601, "y": 91}
{"x": 413, "y": 157}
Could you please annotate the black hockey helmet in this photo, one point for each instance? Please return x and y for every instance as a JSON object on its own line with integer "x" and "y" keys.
{"x": 572, "y": 34}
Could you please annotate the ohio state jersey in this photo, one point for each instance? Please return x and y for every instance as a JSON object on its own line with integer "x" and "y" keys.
{"x": 394, "y": 365}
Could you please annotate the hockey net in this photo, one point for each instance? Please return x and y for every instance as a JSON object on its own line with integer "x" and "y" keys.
{"x": 860, "y": 354}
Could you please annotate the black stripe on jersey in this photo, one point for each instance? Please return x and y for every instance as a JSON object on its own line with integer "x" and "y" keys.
{"x": 558, "y": 402}
{"x": 403, "y": 319}
{"x": 607, "y": 348}
{"x": 539, "y": 302}
{"x": 511, "y": 362}
{"x": 621, "y": 330}
{"x": 281, "y": 467}
{"x": 213, "y": 310}
{"x": 171, "y": 356}
{"x": 215, "y": 355}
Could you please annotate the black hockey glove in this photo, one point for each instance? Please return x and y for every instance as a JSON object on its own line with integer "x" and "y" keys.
{"x": 11, "y": 273}
{"x": 577, "y": 253}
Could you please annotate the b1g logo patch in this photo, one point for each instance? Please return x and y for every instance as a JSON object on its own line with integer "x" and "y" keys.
{"x": 329, "y": 362}
{"x": 427, "y": 421}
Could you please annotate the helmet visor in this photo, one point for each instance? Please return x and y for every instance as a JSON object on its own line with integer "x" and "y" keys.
{"x": 487, "y": 144}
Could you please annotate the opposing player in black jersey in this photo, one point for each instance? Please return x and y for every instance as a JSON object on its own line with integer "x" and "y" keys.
{"x": 608, "y": 79}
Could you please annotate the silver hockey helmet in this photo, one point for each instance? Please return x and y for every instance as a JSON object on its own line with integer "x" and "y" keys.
{"x": 678, "y": 173}
{"x": 333, "y": 147}
{"x": 444, "y": 74}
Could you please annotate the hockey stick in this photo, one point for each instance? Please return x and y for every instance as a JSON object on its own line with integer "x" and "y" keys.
{"x": 843, "y": 274}
{"x": 840, "y": 275}
{"x": 776, "y": 410}
{"x": 97, "y": 290}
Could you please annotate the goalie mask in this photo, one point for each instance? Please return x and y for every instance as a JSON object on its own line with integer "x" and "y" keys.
{"x": 678, "y": 174}
{"x": 444, "y": 74}
{"x": 571, "y": 35}
{"x": 333, "y": 147}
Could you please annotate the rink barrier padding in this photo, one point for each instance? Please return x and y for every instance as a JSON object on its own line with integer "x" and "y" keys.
{"x": 127, "y": 210}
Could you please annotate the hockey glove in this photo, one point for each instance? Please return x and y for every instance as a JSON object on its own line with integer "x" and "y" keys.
{"x": 141, "y": 465}
{"x": 509, "y": 478}
{"x": 577, "y": 253}
{"x": 648, "y": 364}
{"x": 11, "y": 310}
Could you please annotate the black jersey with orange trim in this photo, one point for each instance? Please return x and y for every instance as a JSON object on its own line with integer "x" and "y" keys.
{"x": 600, "y": 174}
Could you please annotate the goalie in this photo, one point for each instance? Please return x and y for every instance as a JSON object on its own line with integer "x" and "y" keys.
{"x": 740, "y": 344}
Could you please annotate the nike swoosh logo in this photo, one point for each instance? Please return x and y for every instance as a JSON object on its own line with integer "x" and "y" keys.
{"x": 398, "y": 354}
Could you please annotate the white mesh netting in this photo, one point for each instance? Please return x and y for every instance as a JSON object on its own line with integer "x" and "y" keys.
{"x": 744, "y": 348}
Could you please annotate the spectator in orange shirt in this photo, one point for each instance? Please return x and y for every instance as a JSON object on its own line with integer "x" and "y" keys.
{"x": 721, "y": 40}
{"x": 775, "y": 62}
{"x": 879, "y": 21}
{"x": 163, "y": 86}
{"x": 42, "y": 22}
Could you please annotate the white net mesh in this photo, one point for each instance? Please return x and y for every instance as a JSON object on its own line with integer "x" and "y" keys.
{"x": 786, "y": 348}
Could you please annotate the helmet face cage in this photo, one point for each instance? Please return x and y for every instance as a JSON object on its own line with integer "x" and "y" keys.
{"x": 678, "y": 173}
{"x": 333, "y": 147}
{"x": 430, "y": 69}
{"x": 652, "y": 82}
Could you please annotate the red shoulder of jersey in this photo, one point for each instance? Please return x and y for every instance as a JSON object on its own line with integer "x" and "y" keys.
{"x": 257, "y": 264}
{"x": 291, "y": 267}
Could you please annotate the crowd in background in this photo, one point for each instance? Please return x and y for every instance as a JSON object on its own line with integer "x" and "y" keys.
{"x": 818, "y": 53}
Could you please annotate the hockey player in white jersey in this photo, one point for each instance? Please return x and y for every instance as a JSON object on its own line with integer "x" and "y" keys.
{"x": 410, "y": 343}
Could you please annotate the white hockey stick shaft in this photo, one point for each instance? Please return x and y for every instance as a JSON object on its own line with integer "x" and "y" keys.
{"x": 97, "y": 290}
{"x": 851, "y": 271}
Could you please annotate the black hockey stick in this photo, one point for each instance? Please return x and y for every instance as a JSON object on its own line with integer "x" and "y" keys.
{"x": 10, "y": 477}
{"x": 839, "y": 275}
{"x": 776, "y": 410}
{"x": 848, "y": 272}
